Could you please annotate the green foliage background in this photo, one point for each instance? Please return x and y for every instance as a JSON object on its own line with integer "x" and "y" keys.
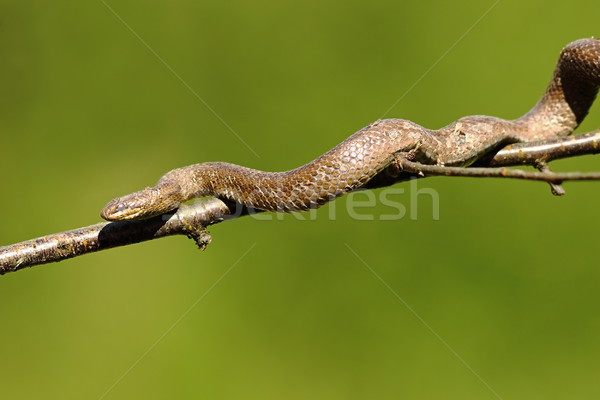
{"x": 498, "y": 295}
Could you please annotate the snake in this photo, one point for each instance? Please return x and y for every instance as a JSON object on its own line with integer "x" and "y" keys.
{"x": 354, "y": 162}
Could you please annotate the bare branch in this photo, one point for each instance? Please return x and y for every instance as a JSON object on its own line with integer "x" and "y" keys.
{"x": 106, "y": 235}
{"x": 546, "y": 150}
{"x": 189, "y": 220}
{"x": 551, "y": 177}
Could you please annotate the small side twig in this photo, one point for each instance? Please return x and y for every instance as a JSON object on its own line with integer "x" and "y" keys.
{"x": 555, "y": 188}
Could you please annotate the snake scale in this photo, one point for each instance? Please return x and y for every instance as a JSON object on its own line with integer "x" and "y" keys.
{"x": 355, "y": 161}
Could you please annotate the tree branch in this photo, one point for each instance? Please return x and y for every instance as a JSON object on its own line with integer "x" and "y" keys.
{"x": 190, "y": 220}
{"x": 545, "y": 150}
{"x": 481, "y": 172}
{"x": 105, "y": 235}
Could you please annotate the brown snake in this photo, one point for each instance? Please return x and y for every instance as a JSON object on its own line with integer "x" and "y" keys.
{"x": 355, "y": 161}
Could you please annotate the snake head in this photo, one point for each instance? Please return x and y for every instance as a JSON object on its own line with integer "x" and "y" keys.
{"x": 144, "y": 204}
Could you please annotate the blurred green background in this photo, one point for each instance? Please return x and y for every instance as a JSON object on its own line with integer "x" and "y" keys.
{"x": 500, "y": 295}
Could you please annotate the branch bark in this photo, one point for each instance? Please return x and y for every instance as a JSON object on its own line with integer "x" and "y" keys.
{"x": 106, "y": 235}
{"x": 190, "y": 220}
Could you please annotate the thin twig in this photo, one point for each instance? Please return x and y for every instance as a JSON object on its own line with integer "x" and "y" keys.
{"x": 555, "y": 188}
{"x": 551, "y": 177}
{"x": 101, "y": 236}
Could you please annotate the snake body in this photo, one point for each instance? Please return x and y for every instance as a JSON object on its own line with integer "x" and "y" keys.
{"x": 355, "y": 161}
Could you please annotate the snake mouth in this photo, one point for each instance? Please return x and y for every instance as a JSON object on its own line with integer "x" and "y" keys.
{"x": 120, "y": 211}
{"x": 144, "y": 204}
{"x": 129, "y": 207}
